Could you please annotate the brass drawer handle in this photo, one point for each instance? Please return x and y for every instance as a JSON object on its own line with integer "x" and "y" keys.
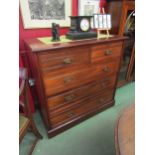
{"x": 108, "y": 52}
{"x": 69, "y": 97}
{"x": 105, "y": 83}
{"x": 106, "y": 69}
{"x": 70, "y": 114}
{"x": 101, "y": 100}
{"x": 67, "y": 61}
{"x": 68, "y": 79}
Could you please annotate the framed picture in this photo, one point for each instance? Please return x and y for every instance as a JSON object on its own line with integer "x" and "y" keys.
{"x": 102, "y": 21}
{"x": 88, "y": 7}
{"x": 95, "y": 21}
{"x": 42, "y": 13}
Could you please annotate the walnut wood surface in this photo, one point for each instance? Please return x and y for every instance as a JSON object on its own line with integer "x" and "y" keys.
{"x": 58, "y": 59}
{"x": 127, "y": 6}
{"x": 105, "y": 52}
{"x": 65, "y": 114}
{"x": 78, "y": 119}
{"x": 125, "y": 132}
{"x": 114, "y": 8}
{"x": 69, "y": 97}
{"x": 131, "y": 64}
{"x": 56, "y": 84}
{"x": 74, "y": 80}
{"x": 36, "y": 45}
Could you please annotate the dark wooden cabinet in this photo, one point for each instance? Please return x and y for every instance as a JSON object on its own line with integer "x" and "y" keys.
{"x": 123, "y": 23}
{"x": 127, "y": 27}
{"x": 74, "y": 80}
{"x": 114, "y": 8}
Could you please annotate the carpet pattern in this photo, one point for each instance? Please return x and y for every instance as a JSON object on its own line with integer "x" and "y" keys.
{"x": 94, "y": 136}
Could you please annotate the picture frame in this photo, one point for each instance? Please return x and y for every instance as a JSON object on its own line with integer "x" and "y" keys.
{"x": 41, "y": 13}
{"x": 95, "y": 21}
{"x": 102, "y": 21}
{"x": 88, "y": 7}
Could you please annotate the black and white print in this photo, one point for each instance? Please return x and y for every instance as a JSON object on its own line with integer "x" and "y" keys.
{"x": 47, "y": 9}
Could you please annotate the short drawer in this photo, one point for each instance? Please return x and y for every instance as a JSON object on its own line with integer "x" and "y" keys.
{"x": 88, "y": 105}
{"x": 63, "y": 82}
{"x": 105, "y": 52}
{"x": 79, "y": 93}
{"x": 63, "y": 58}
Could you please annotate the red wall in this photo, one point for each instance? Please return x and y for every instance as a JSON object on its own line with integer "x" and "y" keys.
{"x": 32, "y": 33}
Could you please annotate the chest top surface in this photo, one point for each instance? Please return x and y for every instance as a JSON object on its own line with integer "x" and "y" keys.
{"x": 35, "y": 45}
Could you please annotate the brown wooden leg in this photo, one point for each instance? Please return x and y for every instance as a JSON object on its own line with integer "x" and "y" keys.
{"x": 35, "y": 130}
{"x": 33, "y": 146}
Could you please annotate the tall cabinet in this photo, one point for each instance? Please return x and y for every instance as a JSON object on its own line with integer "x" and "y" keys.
{"x": 123, "y": 20}
{"x": 127, "y": 28}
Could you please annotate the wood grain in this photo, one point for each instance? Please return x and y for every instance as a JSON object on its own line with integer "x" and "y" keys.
{"x": 74, "y": 80}
{"x": 71, "y": 96}
{"x": 125, "y": 132}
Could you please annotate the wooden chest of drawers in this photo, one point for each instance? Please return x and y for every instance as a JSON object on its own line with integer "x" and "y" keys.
{"x": 74, "y": 80}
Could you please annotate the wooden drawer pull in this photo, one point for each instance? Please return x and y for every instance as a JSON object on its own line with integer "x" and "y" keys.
{"x": 106, "y": 82}
{"x": 108, "y": 52}
{"x": 67, "y": 61}
{"x": 70, "y": 114}
{"x": 68, "y": 79}
{"x": 69, "y": 97}
{"x": 106, "y": 69}
{"x": 101, "y": 100}
{"x": 103, "y": 84}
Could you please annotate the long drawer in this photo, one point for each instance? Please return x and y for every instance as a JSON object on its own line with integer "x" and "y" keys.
{"x": 56, "y": 84}
{"x": 86, "y": 106}
{"x": 68, "y": 98}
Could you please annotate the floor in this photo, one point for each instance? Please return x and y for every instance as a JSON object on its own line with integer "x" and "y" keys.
{"x": 95, "y": 136}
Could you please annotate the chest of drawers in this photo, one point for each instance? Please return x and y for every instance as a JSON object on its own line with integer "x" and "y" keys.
{"x": 74, "y": 80}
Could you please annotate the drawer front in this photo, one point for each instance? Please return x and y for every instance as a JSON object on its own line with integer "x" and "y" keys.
{"x": 85, "y": 107}
{"x": 52, "y": 60}
{"x": 85, "y": 91}
{"x": 105, "y": 52}
{"x": 57, "y": 84}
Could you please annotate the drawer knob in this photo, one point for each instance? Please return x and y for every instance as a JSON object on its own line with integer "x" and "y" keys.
{"x": 69, "y": 97}
{"x": 70, "y": 114}
{"x": 67, "y": 61}
{"x": 101, "y": 100}
{"x": 106, "y": 69}
{"x": 108, "y": 52}
{"x": 68, "y": 79}
{"x": 105, "y": 83}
